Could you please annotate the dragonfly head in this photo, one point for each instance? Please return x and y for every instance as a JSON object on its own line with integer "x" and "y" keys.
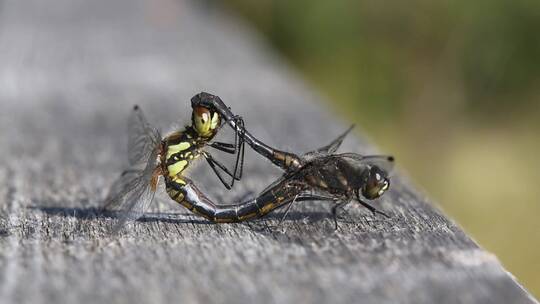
{"x": 206, "y": 122}
{"x": 376, "y": 183}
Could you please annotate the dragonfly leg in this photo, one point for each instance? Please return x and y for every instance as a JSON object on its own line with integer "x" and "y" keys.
{"x": 317, "y": 197}
{"x": 213, "y": 163}
{"x": 238, "y": 139}
{"x": 335, "y": 210}
{"x": 224, "y": 147}
{"x": 232, "y": 149}
{"x": 286, "y": 212}
{"x": 237, "y": 148}
{"x": 239, "y": 142}
{"x": 370, "y": 208}
{"x": 304, "y": 197}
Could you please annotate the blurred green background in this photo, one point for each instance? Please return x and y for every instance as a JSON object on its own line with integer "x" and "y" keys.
{"x": 452, "y": 88}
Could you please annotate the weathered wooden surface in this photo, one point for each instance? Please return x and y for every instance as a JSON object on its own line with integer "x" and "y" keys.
{"x": 70, "y": 72}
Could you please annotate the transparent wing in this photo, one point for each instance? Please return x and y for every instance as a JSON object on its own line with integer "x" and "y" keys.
{"x": 276, "y": 182}
{"x": 289, "y": 177}
{"x": 143, "y": 138}
{"x": 132, "y": 193}
{"x": 384, "y": 162}
{"x": 132, "y": 201}
{"x": 330, "y": 148}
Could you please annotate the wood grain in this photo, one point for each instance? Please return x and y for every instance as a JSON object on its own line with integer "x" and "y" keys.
{"x": 70, "y": 73}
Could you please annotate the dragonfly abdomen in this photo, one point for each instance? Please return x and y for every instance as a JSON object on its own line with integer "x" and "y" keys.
{"x": 189, "y": 196}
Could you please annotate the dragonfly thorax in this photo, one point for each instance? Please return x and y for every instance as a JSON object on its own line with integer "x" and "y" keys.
{"x": 179, "y": 150}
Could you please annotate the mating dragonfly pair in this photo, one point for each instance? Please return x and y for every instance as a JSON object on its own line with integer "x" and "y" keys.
{"x": 320, "y": 175}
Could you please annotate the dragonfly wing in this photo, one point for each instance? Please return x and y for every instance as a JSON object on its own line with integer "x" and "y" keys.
{"x": 384, "y": 162}
{"x": 291, "y": 177}
{"x": 136, "y": 203}
{"x": 132, "y": 193}
{"x": 276, "y": 182}
{"x": 143, "y": 138}
{"x": 331, "y": 147}
{"x": 130, "y": 196}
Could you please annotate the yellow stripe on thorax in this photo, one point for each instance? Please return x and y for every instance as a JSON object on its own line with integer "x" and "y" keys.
{"x": 180, "y": 165}
{"x": 177, "y": 167}
{"x": 171, "y": 150}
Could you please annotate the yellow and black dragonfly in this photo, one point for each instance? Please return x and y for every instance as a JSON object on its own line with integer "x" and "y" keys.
{"x": 152, "y": 156}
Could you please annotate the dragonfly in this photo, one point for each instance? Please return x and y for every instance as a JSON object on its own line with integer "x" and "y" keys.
{"x": 152, "y": 156}
{"x": 317, "y": 175}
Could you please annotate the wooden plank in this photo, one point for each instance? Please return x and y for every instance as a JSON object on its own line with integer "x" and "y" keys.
{"x": 71, "y": 71}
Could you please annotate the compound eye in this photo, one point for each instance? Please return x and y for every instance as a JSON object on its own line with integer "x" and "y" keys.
{"x": 202, "y": 113}
{"x": 376, "y": 184}
{"x": 202, "y": 120}
{"x": 384, "y": 187}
